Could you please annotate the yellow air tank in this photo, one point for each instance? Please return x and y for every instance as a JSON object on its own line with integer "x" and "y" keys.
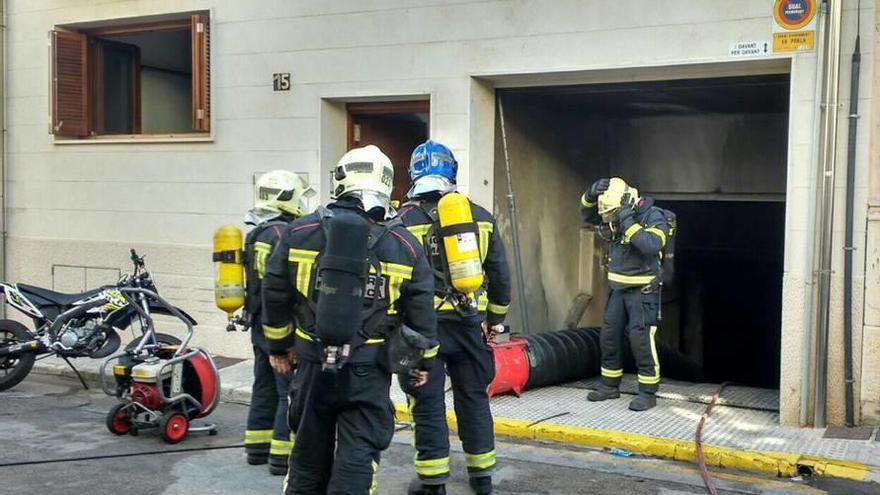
{"x": 461, "y": 242}
{"x": 229, "y": 281}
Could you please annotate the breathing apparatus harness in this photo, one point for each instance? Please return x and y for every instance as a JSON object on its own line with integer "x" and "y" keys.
{"x": 609, "y": 233}
{"x": 348, "y": 273}
{"x": 249, "y": 258}
{"x": 465, "y": 306}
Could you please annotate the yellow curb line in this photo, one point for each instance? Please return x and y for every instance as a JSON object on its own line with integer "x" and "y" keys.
{"x": 773, "y": 463}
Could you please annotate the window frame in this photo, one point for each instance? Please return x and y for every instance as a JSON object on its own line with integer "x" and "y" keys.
{"x": 146, "y": 24}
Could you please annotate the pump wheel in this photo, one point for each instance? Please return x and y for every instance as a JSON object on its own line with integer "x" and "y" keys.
{"x": 119, "y": 420}
{"x": 174, "y": 428}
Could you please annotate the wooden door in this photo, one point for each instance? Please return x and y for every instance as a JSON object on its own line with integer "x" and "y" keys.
{"x": 396, "y": 128}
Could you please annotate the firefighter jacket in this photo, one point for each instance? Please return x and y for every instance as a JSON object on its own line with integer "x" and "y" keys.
{"x": 405, "y": 287}
{"x": 635, "y": 252}
{"x": 257, "y": 248}
{"x": 493, "y": 300}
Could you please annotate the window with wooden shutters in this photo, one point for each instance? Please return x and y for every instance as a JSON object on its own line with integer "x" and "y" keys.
{"x": 201, "y": 70}
{"x": 145, "y": 77}
{"x": 70, "y": 84}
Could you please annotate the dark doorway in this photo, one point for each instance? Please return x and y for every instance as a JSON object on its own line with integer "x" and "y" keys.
{"x": 712, "y": 150}
{"x": 396, "y": 128}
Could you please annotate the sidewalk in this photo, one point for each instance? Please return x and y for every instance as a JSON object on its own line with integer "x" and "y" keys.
{"x": 733, "y": 437}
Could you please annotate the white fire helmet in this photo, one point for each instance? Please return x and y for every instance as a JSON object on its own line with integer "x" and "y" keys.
{"x": 367, "y": 174}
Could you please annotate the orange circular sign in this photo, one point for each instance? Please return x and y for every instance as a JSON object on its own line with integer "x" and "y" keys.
{"x": 794, "y": 14}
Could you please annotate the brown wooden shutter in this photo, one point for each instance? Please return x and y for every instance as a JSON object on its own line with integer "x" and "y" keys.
{"x": 201, "y": 73}
{"x": 70, "y": 84}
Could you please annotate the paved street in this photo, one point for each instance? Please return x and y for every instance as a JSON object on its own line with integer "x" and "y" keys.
{"x": 55, "y": 443}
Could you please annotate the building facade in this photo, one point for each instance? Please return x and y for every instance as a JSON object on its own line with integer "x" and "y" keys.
{"x": 146, "y": 123}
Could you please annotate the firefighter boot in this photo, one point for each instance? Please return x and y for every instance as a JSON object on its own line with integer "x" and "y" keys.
{"x": 256, "y": 459}
{"x": 643, "y": 402}
{"x": 481, "y": 485}
{"x": 278, "y": 465}
{"x": 603, "y": 392}
{"x": 416, "y": 487}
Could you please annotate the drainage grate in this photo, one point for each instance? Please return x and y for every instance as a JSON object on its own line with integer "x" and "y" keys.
{"x": 844, "y": 433}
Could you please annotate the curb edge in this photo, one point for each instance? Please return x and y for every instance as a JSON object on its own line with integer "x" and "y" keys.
{"x": 777, "y": 464}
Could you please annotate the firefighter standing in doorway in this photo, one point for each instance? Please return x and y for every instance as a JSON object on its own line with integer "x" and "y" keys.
{"x": 337, "y": 288}
{"x": 636, "y": 231}
{"x": 463, "y": 328}
{"x": 277, "y": 201}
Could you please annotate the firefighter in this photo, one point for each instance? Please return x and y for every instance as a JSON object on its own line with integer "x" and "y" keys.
{"x": 341, "y": 412}
{"x": 462, "y": 329}
{"x": 277, "y": 201}
{"x": 636, "y": 232}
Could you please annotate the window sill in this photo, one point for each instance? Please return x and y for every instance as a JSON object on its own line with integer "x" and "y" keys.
{"x": 140, "y": 139}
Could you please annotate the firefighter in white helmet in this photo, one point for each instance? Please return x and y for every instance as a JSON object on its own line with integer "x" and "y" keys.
{"x": 278, "y": 200}
{"x": 340, "y": 286}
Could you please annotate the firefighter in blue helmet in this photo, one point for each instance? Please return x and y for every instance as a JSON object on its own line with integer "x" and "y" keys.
{"x": 462, "y": 330}
{"x": 340, "y": 287}
{"x": 637, "y": 232}
{"x": 277, "y": 201}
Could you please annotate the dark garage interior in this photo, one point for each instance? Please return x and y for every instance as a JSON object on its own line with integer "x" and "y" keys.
{"x": 712, "y": 150}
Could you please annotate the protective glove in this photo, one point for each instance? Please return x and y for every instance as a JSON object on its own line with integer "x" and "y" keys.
{"x": 626, "y": 213}
{"x": 597, "y": 188}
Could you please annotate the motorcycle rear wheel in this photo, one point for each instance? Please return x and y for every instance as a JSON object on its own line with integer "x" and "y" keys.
{"x": 14, "y": 369}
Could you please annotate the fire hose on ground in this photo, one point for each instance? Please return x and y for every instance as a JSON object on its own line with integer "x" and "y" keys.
{"x": 550, "y": 358}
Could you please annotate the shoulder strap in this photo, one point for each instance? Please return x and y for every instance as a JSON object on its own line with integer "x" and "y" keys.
{"x": 442, "y": 285}
{"x": 252, "y": 237}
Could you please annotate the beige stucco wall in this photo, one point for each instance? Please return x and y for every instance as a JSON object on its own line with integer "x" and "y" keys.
{"x": 85, "y": 204}
{"x": 870, "y": 385}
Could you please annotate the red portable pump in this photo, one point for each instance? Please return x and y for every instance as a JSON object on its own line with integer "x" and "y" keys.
{"x": 161, "y": 383}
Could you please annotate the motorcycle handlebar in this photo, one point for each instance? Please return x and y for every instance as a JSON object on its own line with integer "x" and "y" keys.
{"x": 137, "y": 261}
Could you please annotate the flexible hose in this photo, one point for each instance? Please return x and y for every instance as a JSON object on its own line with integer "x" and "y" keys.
{"x": 701, "y": 460}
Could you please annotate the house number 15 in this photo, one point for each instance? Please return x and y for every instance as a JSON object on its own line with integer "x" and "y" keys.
{"x": 281, "y": 81}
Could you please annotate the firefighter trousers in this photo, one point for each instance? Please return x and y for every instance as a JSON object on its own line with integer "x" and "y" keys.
{"x": 342, "y": 421}
{"x": 631, "y": 318}
{"x": 267, "y": 431}
{"x": 467, "y": 359}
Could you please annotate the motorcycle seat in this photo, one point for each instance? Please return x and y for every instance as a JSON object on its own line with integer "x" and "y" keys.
{"x": 45, "y": 297}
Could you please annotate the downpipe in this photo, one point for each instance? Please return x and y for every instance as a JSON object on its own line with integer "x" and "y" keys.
{"x": 828, "y": 142}
{"x": 4, "y": 79}
{"x": 848, "y": 234}
{"x": 810, "y": 258}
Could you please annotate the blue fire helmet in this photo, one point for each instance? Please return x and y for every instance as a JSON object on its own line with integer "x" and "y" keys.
{"x": 432, "y": 159}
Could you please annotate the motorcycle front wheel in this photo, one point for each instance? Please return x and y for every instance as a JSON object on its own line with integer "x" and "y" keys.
{"x": 14, "y": 369}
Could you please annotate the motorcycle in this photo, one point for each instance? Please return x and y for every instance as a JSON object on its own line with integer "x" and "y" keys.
{"x": 80, "y": 325}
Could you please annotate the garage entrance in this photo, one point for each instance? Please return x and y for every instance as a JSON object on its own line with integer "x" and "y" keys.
{"x": 713, "y": 150}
